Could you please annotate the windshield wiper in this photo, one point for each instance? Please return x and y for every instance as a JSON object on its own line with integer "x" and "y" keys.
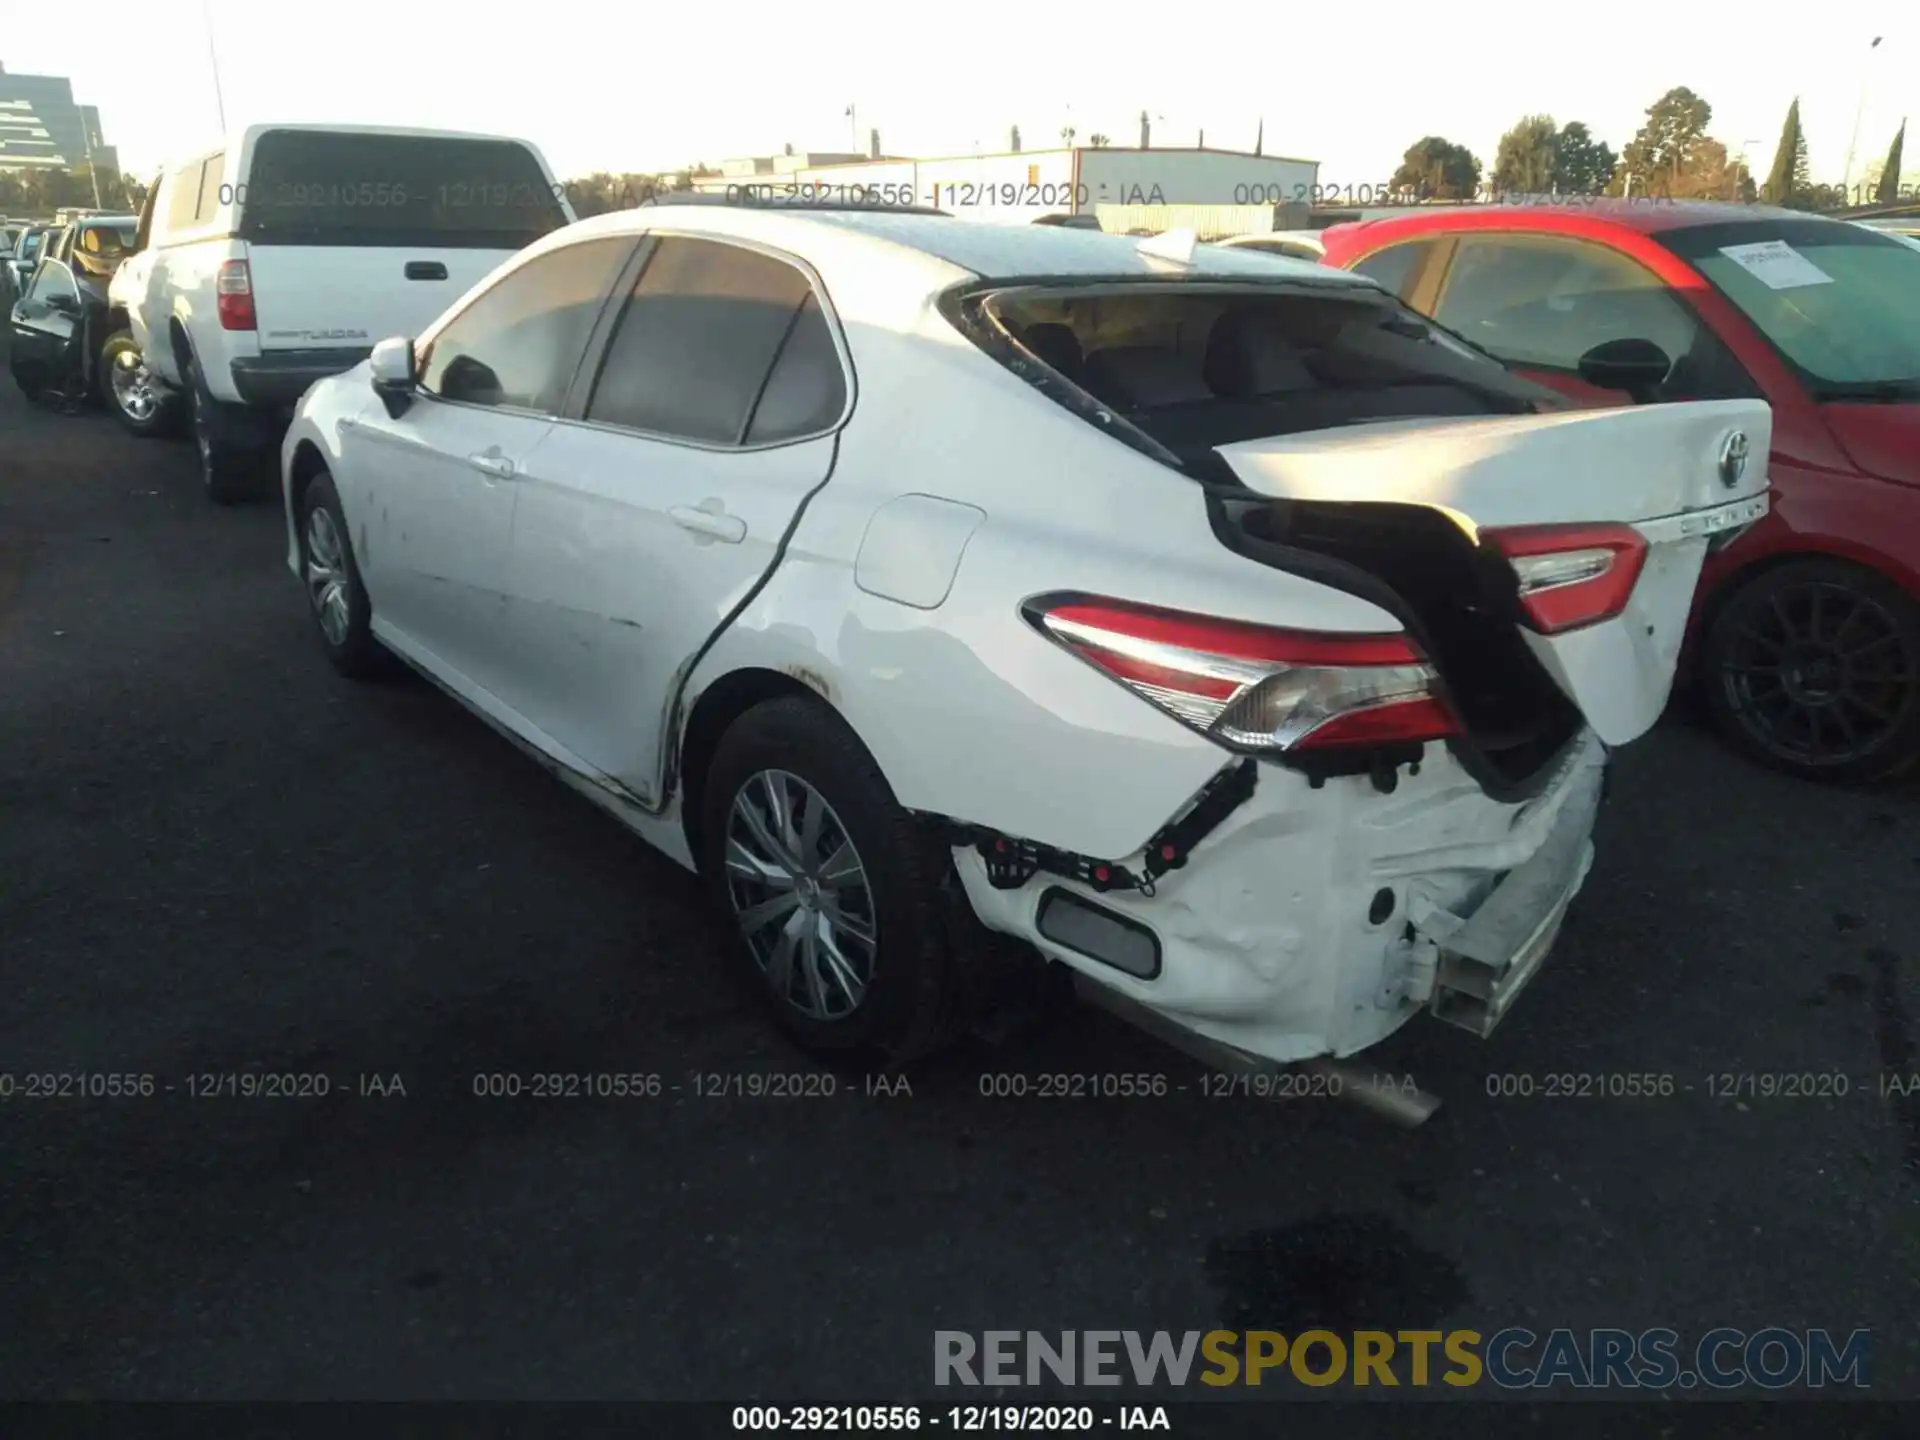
{"x": 1891, "y": 390}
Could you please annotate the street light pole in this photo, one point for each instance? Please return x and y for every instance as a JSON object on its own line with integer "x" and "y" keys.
{"x": 1846, "y": 175}
{"x": 213, "y": 56}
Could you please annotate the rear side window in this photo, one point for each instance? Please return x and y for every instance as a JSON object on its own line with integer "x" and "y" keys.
{"x": 211, "y": 173}
{"x": 1544, "y": 301}
{"x": 723, "y": 345}
{"x": 518, "y": 345}
{"x": 1395, "y": 267}
{"x": 316, "y": 187}
{"x": 183, "y": 197}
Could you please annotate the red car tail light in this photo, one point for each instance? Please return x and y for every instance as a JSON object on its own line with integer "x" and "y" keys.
{"x": 1254, "y": 688}
{"x": 1572, "y": 575}
{"x": 233, "y": 292}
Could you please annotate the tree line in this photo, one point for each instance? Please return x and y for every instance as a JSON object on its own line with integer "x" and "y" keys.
{"x": 41, "y": 192}
{"x": 1671, "y": 156}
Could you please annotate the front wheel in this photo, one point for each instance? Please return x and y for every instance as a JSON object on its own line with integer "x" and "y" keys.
{"x": 834, "y": 893}
{"x": 1813, "y": 668}
{"x": 138, "y": 401}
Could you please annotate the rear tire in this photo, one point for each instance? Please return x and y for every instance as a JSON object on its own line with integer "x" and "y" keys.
{"x": 1813, "y": 668}
{"x": 228, "y": 473}
{"x": 135, "y": 396}
{"x": 342, "y": 616}
{"x": 807, "y": 852}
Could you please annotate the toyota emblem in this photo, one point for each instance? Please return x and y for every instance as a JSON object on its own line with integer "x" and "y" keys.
{"x": 1733, "y": 459}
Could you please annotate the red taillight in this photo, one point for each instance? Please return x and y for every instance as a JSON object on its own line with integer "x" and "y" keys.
{"x": 1572, "y": 575}
{"x": 1253, "y": 687}
{"x": 233, "y": 293}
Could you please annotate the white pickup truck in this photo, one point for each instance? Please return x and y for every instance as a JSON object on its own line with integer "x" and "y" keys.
{"x": 284, "y": 255}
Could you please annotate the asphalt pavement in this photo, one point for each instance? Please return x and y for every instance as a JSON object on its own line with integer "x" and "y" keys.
{"x": 217, "y": 858}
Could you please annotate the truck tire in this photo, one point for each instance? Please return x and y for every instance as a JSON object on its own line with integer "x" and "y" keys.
{"x": 228, "y": 473}
{"x": 138, "y": 400}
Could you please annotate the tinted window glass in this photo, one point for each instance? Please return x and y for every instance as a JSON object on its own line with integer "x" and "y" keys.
{"x": 1840, "y": 303}
{"x": 1543, "y": 302}
{"x": 519, "y": 343}
{"x": 309, "y": 187}
{"x": 693, "y": 349}
{"x": 807, "y": 390}
{"x": 51, "y": 278}
{"x": 1394, "y": 267}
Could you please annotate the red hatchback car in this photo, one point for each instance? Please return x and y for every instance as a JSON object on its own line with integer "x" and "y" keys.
{"x": 1805, "y": 635}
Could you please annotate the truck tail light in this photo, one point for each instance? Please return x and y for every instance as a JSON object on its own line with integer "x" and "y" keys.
{"x": 1254, "y": 688}
{"x": 234, "y": 296}
{"x": 1572, "y": 575}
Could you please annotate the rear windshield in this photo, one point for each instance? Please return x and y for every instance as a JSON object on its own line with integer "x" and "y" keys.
{"x": 320, "y": 188}
{"x": 1193, "y": 366}
{"x": 1840, "y": 303}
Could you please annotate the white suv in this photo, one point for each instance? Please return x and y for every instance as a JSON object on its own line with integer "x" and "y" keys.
{"x": 1209, "y": 622}
{"x": 279, "y": 258}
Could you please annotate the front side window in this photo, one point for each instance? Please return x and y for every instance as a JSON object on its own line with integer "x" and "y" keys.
{"x": 723, "y": 345}
{"x": 1542, "y": 302}
{"x": 143, "y": 232}
{"x": 1840, "y": 303}
{"x": 50, "y": 279}
{"x": 518, "y": 344}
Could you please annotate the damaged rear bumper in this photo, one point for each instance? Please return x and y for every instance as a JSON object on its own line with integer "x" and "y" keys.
{"x": 1314, "y": 922}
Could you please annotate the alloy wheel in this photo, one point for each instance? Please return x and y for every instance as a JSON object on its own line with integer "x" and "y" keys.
{"x": 800, "y": 895}
{"x": 1819, "y": 674}
{"x": 327, "y": 575}
{"x": 132, "y": 386}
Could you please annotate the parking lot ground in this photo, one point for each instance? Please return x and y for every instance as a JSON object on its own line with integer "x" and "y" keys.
{"x": 218, "y": 857}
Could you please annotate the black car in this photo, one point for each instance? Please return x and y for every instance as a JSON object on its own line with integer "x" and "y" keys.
{"x": 16, "y": 266}
{"x": 60, "y": 322}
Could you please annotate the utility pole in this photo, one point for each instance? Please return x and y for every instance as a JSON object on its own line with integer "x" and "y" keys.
{"x": 213, "y": 56}
{"x": 1846, "y": 175}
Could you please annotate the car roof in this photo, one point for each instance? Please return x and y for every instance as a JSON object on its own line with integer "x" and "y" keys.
{"x": 1646, "y": 216}
{"x": 989, "y": 251}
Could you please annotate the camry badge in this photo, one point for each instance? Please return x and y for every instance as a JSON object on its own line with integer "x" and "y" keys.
{"x": 1733, "y": 459}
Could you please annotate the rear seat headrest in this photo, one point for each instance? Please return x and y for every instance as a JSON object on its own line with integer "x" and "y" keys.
{"x": 1145, "y": 376}
{"x": 1247, "y": 357}
{"x": 1055, "y": 345}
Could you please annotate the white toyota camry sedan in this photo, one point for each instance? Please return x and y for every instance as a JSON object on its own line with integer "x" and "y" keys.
{"x": 1209, "y": 624}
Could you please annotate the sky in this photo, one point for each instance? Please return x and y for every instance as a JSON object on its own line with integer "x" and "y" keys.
{"x": 630, "y": 87}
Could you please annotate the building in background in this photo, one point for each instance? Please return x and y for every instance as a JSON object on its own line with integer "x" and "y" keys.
{"x": 1018, "y": 187}
{"x": 41, "y": 128}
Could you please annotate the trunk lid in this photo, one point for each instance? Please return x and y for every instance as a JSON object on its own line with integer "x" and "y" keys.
{"x": 1681, "y": 476}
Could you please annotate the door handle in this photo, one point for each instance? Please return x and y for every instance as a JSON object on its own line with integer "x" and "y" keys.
{"x": 488, "y": 463}
{"x": 721, "y": 526}
{"x": 425, "y": 270}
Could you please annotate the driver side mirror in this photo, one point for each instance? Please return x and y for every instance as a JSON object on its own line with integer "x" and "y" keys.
{"x": 1638, "y": 367}
{"x": 395, "y": 373}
